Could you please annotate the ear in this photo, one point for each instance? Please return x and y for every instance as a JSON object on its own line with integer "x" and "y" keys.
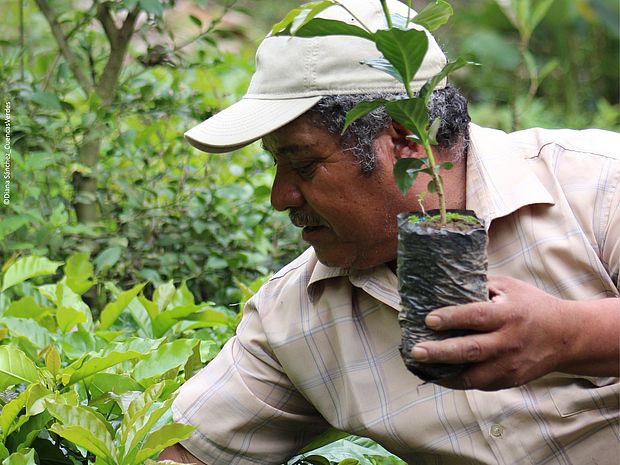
{"x": 403, "y": 147}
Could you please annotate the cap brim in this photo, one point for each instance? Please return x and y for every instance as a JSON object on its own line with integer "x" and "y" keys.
{"x": 245, "y": 122}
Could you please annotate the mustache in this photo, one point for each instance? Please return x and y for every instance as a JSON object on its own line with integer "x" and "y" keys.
{"x": 302, "y": 219}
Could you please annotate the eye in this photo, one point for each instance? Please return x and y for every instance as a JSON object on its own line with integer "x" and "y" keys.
{"x": 306, "y": 170}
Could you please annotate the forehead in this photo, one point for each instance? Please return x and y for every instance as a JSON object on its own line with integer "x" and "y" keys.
{"x": 298, "y": 136}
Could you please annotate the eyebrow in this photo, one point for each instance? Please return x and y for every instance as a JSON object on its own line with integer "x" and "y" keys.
{"x": 289, "y": 149}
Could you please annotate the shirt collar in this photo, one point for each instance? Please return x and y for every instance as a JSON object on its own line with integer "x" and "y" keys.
{"x": 499, "y": 178}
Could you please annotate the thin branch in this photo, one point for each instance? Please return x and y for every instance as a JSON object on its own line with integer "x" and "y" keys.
{"x": 106, "y": 87}
{"x": 61, "y": 40}
{"x": 107, "y": 21}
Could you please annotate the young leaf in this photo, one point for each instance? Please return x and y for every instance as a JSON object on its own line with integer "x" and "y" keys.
{"x": 20, "y": 458}
{"x": 113, "y": 310}
{"x": 162, "y": 438}
{"x": 16, "y": 367}
{"x": 433, "y": 130}
{"x": 430, "y": 85}
{"x": 412, "y": 113}
{"x": 434, "y": 15}
{"x": 70, "y": 374}
{"x": 539, "y": 12}
{"x": 327, "y": 27}
{"x": 103, "y": 383}
{"x": 360, "y": 110}
{"x": 68, "y": 318}
{"x": 299, "y": 15}
{"x": 166, "y": 357}
{"x": 163, "y": 295}
{"x": 26, "y": 268}
{"x": 404, "y": 49}
{"x": 308, "y": 13}
{"x": 405, "y": 172}
{"x": 80, "y": 272}
{"x": 84, "y": 427}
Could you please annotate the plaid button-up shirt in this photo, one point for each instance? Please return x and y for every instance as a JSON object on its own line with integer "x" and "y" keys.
{"x": 318, "y": 346}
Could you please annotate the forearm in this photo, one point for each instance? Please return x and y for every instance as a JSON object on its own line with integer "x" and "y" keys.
{"x": 178, "y": 453}
{"x": 592, "y": 345}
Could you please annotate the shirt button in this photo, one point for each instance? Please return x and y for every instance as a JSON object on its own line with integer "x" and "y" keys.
{"x": 497, "y": 430}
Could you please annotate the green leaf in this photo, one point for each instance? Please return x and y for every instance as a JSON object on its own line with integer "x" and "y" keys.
{"x": 432, "y": 186}
{"x": 26, "y": 268}
{"x": 83, "y": 426}
{"x": 113, "y": 310}
{"x": 104, "y": 383}
{"x": 165, "y": 320}
{"x": 430, "y": 85}
{"x": 80, "y": 272}
{"x": 300, "y": 16}
{"x": 197, "y": 21}
{"x": 162, "y": 438}
{"x": 406, "y": 171}
{"x": 68, "y": 318}
{"x": 28, "y": 308}
{"x": 404, "y": 49}
{"x": 434, "y": 15}
{"x": 96, "y": 364}
{"x": 433, "y": 130}
{"x": 65, "y": 297}
{"x": 47, "y": 100}
{"x": 411, "y": 113}
{"x": 108, "y": 258}
{"x": 163, "y": 295}
{"x": 360, "y": 110}
{"x": 16, "y": 367}
{"x": 12, "y": 224}
{"x": 166, "y": 357}
{"x": 326, "y": 27}
{"x": 10, "y": 412}
{"x": 324, "y": 439}
{"x": 20, "y": 458}
{"x": 132, "y": 429}
{"x": 349, "y": 462}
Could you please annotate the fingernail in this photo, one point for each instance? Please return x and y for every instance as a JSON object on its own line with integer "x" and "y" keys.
{"x": 433, "y": 321}
{"x": 419, "y": 353}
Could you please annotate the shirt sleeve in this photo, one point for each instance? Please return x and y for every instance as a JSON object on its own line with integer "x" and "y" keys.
{"x": 245, "y": 409}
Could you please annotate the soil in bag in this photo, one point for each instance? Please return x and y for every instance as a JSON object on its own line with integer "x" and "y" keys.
{"x": 437, "y": 267}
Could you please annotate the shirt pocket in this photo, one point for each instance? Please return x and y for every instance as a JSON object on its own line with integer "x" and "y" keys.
{"x": 586, "y": 394}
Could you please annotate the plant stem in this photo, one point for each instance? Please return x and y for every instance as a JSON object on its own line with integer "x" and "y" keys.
{"x": 386, "y": 11}
{"x": 438, "y": 181}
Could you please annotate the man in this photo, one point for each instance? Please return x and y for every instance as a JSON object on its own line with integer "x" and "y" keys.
{"x": 318, "y": 344}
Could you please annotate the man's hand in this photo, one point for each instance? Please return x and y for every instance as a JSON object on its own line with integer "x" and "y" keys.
{"x": 522, "y": 334}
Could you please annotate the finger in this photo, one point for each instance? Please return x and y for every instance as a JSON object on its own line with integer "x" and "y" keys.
{"x": 478, "y": 316}
{"x": 465, "y": 349}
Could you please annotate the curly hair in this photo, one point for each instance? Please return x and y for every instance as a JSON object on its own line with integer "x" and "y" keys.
{"x": 447, "y": 103}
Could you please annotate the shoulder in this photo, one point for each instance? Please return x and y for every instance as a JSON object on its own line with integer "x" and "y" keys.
{"x": 587, "y": 142}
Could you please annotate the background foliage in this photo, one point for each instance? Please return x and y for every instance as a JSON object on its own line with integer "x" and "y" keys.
{"x": 103, "y": 184}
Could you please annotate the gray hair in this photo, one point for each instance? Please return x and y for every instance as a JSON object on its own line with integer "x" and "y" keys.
{"x": 447, "y": 103}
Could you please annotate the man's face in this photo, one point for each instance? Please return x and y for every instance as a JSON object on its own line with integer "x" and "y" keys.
{"x": 349, "y": 218}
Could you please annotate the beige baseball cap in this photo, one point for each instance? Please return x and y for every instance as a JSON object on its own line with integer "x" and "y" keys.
{"x": 294, "y": 73}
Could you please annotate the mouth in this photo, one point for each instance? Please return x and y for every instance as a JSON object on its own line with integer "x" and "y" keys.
{"x": 308, "y": 232}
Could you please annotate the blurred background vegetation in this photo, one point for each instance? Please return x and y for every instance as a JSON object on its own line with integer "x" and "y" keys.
{"x": 101, "y": 93}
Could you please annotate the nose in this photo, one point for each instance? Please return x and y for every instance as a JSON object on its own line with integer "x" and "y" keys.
{"x": 285, "y": 193}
